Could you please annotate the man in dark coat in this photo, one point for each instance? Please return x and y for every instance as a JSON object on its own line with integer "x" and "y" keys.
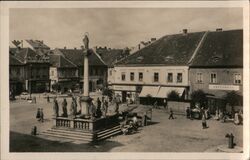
{"x": 171, "y": 116}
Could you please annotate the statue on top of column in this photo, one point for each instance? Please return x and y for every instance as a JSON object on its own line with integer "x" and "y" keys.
{"x": 86, "y": 41}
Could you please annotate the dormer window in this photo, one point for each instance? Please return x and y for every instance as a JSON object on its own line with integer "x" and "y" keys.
{"x": 139, "y": 59}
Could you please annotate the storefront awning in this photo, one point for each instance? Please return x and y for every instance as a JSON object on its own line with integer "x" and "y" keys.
{"x": 149, "y": 90}
{"x": 164, "y": 91}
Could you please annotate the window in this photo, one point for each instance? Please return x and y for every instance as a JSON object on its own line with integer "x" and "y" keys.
{"x": 110, "y": 72}
{"x": 156, "y": 77}
{"x": 199, "y": 77}
{"x": 123, "y": 76}
{"x": 170, "y": 77}
{"x": 213, "y": 78}
{"x": 52, "y": 73}
{"x": 140, "y": 76}
{"x": 237, "y": 78}
{"x": 179, "y": 77}
{"x": 132, "y": 76}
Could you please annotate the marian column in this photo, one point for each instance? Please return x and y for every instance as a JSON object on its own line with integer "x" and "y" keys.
{"x": 86, "y": 99}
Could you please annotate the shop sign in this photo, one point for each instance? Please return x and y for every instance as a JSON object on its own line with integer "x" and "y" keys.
{"x": 124, "y": 88}
{"x": 224, "y": 87}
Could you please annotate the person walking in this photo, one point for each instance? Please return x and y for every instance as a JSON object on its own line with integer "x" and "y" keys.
{"x": 38, "y": 115}
{"x": 204, "y": 122}
{"x": 41, "y": 115}
{"x": 165, "y": 103}
{"x": 171, "y": 116}
{"x": 188, "y": 113}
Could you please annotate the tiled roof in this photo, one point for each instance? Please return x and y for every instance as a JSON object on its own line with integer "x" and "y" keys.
{"x": 59, "y": 61}
{"x": 220, "y": 49}
{"x": 23, "y": 53}
{"x": 14, "y": 61}
{"x": 76, "y": 56}
{"x": 37, "y": 44}
{"x": 110, "y": 56}
{"x": 169, "y": 50}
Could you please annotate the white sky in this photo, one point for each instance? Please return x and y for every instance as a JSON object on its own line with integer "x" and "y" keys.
{"x": 115, "y": 28}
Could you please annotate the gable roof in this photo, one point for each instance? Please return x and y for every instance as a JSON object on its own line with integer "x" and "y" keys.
{"x": 22, "y": 53}
{"x": 76, "y": 56}
{"x": 14, "y": 61}
{"x": 59, "y": 61}
{"x": 220, "y": 49}
{"x": 171, "y": 50}
{"x": 37, "y": 44}
{"x": 110, "y": 56}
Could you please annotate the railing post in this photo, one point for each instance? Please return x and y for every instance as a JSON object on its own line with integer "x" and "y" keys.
{"x": 54, "y": 122}
{"x": 91, "y": 126}
{"x": 71, "y": 123}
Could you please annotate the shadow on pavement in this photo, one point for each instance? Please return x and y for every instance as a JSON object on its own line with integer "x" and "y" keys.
{"x": 28, "y": 143}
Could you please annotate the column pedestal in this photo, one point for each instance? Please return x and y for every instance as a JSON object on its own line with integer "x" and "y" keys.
{"x": 86, "y": 101}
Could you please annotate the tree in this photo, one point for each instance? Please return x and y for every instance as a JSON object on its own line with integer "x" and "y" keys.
{"x": 173, "y": 95}
{"x": 199, "y": 97}
{"x": 233, "y": 99}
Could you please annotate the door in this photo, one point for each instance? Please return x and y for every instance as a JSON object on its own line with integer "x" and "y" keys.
{"x": 124, "y": 96}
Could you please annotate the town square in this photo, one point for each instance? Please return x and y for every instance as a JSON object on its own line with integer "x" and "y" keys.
{"x": 126, "y": 80}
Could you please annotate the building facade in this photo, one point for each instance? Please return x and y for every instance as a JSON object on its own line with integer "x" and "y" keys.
{"x": 158, "y": 69}
{"x": 28, "y": 71}
{"x": 217, "y": 69}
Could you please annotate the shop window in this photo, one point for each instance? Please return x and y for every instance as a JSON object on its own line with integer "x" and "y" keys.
{"x": 156, "y": 77}
{"x": 237, "y": 78}
{"x": 199, "y": 77}
{"x": 170, "y": 77}
{"x": 140, "y": 76}
{"x": 132, "y": 76}
{"x": 123, "y": 76}
{"x": 213, "y": 78}
{"x": 179, "y": 77}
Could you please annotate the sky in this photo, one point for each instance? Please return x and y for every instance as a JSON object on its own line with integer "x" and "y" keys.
{"x": 115, "y": 27}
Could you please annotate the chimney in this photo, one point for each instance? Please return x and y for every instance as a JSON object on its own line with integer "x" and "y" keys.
{"x": 218, "y": 29}
{"x": 65, "y": 47}
{"x": 185, "y": 31}
{"x": 153, "y": 39}
{"x": 139, "y": 46}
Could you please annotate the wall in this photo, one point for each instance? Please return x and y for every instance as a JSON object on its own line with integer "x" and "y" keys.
{"x": 225, "y": 76}
{"x": 148, "y": 75}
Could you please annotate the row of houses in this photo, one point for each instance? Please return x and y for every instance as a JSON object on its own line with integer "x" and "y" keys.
{"x": 38, "y": 70}
{"x": 211, "y": 61}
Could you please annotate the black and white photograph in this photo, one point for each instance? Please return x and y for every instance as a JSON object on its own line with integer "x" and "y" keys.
{"x": 126, "y": 80}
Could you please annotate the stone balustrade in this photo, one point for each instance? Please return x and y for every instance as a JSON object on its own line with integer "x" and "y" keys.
{"x": 86, "y": 124}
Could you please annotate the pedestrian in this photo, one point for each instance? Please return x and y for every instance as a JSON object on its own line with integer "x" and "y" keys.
{"x": 64, "y": 108}
{"x": 75, "y": 104}
{"x": 98, "y": 111}
{"x": 41, "y": 115}
{"x": 99, "y": 103}
{"x": 188, "y": 112}
{"x": 204, "y": 122}
{"x": 38, "y": 114}
{"x": 72, "y": 108}
{"x": 236, "y": 118}
{"x": 171, "y": 116}
{"x": 164, "y": 103}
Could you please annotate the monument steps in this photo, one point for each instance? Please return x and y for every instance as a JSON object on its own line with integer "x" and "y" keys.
{"x": 79, "y": 135}
{"x": 68, "y": 136}
{"x": 106, "y": 134}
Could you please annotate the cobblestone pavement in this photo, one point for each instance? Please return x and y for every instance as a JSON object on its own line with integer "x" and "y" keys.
{"x": 162, "y": 135}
